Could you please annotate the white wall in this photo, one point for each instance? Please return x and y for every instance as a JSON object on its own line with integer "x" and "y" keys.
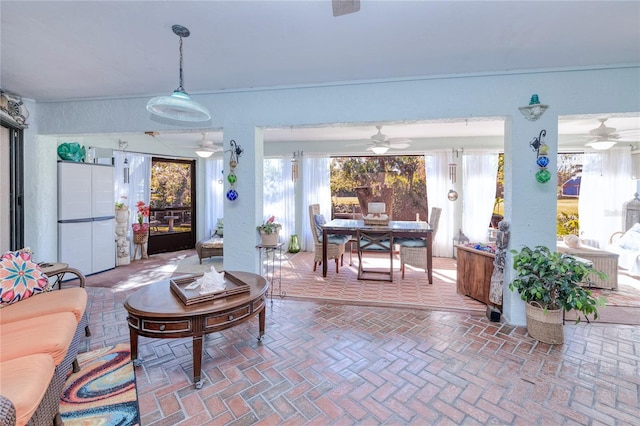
{"x": 567, "y": 92}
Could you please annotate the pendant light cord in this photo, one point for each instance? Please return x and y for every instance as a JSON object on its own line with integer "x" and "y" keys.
{"x": 180, "y": 89}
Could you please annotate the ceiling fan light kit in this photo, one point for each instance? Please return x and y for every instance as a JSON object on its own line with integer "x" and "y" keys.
{"x": 178, "y": 106}
{"x": 204, "y": 154}
{"x": 534, "y": 110}
{"x": 603, "y": 136}
{"x": 379, "y": 150}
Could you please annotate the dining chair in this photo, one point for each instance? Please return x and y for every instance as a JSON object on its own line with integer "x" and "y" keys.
{"x": 335, "y": 243}
{"x": 413, "y": 251}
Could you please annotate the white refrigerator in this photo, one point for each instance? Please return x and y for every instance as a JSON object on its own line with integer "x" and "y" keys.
{"x": 86, "y": 216}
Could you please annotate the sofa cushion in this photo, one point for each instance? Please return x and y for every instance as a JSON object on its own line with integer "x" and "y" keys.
{"x": 24, "y": 382}
{"x": 631, "y": 239}
{"x": 20, "y": 277}
{"x": 50, "y": 334}
{"x": 212, "y": 243}
{"x": 72, "y": 300}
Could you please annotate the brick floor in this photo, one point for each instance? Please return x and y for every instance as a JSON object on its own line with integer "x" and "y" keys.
{"x": 324, "y": 363}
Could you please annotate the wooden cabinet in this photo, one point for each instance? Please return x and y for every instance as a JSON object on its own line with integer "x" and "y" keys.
{"x": 474, "y": 273}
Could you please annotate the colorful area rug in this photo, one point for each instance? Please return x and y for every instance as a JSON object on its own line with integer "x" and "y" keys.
{"x": 103, "y": 392}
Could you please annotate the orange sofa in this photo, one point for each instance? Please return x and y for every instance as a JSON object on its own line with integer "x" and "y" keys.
{"x": 39, "y": 341}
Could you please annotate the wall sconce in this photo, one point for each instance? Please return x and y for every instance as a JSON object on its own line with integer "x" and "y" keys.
{"x": 295, "y": 166}
{"x": 534, "y": 110}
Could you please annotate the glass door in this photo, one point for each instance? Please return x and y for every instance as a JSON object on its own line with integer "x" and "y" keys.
{"x": 173, "y": 205}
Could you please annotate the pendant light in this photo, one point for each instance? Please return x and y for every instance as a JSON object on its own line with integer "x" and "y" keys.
{"x": 179, "y": 105}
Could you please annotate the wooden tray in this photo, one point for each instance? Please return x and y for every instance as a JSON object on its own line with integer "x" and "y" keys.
{"x": 189, "y": 297}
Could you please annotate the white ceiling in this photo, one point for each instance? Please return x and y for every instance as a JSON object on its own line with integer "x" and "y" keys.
{"x": 62, "y": 50}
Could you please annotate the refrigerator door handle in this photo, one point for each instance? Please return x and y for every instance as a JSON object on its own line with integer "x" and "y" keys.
{"x": 88, "y": 219}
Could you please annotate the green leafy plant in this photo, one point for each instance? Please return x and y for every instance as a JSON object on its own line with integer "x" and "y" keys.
{"x": 269, "y": 227}
{"x": 552, "y": 279}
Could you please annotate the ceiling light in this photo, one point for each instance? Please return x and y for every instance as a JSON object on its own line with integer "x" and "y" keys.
{"x": 204, "y": 154}
{"x": 179, "y": 105}
{"x": 534, "y": 110}
{"x": 601, "y": 145}
{"x": 379, "y": 150}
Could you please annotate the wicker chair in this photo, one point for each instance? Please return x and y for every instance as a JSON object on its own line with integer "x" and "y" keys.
{"x": 335, "y": 244}
{"x": 414, "y": 251}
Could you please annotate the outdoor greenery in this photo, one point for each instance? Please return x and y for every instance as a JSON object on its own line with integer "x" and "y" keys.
{"x": 405, "y": 175}
{"x": 552, "y": 279}
{"x": 170, "y": 184}
{"x": 569, "y": 165}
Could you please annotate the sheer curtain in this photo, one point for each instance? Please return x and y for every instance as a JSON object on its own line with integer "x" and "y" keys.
{"x": 605, "y": 186}
{"x": 139, "y": 186}
{"x": 279, "y": 195}
{"x": 316, "y": 190}
{"x": 479, "y": 172}
{"x": 437, "y": 172}
{"x": 214, "y": 195}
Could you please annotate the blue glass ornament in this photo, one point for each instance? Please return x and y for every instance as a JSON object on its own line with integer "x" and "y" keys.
{"x": 232, "y": 195}
{"x": 543, "y": 161}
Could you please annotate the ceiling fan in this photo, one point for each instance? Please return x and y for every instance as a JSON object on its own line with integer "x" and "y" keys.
{"x": 380, "y": 143}
{"x": 206, "y": 148}
{"x": 603, "y": 137}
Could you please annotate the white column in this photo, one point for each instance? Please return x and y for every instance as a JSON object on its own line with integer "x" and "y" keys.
{"x": 530, "y": 207}
{"x": 243, "y": 215}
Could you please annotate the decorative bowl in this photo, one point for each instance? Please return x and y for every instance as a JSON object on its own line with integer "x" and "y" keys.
{"x": 71, "y": 151}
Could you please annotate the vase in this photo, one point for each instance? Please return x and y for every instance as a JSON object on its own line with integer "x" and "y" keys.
{"x": 544, "y": 325}
{"x": 269, "y": 239}
{"x": 294, "y": 244}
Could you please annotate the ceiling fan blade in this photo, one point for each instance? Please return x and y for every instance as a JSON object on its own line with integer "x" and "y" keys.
{"x": 399, "y": 145}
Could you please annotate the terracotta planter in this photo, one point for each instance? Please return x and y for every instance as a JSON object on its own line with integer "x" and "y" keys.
{"x": 269, "y": 239}
{"x": 545, "y": 326}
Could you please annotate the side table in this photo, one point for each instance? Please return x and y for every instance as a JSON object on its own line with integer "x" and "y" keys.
{"x": 58, "y": 271}
{"x": 268, "y": 256}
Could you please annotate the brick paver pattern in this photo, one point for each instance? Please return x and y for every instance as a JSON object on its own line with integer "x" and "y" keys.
{"x": 323, "y": 363}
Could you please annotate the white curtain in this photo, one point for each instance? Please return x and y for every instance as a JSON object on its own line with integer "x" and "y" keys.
{"x": 316, "y": 190}
{"x": 479, "y": 172}
{"x": 214, "y": 195}
{"x": 279, "y": 196}
{"x": 605, "y": 186}
{"x": 437, "y": 172}
{"x": 139, "y": 186}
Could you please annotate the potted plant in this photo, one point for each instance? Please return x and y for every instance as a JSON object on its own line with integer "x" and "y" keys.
{"x": 549, "y": 283}
{"x": 269, "y": 231}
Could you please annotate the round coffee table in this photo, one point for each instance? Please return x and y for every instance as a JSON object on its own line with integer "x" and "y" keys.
{"x": 155, "y": 311}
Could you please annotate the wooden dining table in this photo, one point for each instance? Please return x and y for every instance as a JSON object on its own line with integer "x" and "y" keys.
{"x": 397, "y": 229}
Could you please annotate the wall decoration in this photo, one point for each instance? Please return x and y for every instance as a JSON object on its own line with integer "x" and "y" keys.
{"x": 534, "y": 110}
{"x": 541, "y": 149}
{"x": 236, "y": 152}
{"x": 13, "y": 109}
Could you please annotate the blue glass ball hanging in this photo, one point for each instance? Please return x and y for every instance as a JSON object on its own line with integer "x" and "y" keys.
{"x": 543, "y": 161}
{"x": 232, "y": 195}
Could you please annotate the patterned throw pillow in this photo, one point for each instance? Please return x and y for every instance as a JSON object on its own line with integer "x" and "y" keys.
{"x": 20, "y": 277}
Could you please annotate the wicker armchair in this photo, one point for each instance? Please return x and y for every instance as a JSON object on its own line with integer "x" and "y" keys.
{"x": 414, "y": 251}
{"x": 335, "y": 244}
